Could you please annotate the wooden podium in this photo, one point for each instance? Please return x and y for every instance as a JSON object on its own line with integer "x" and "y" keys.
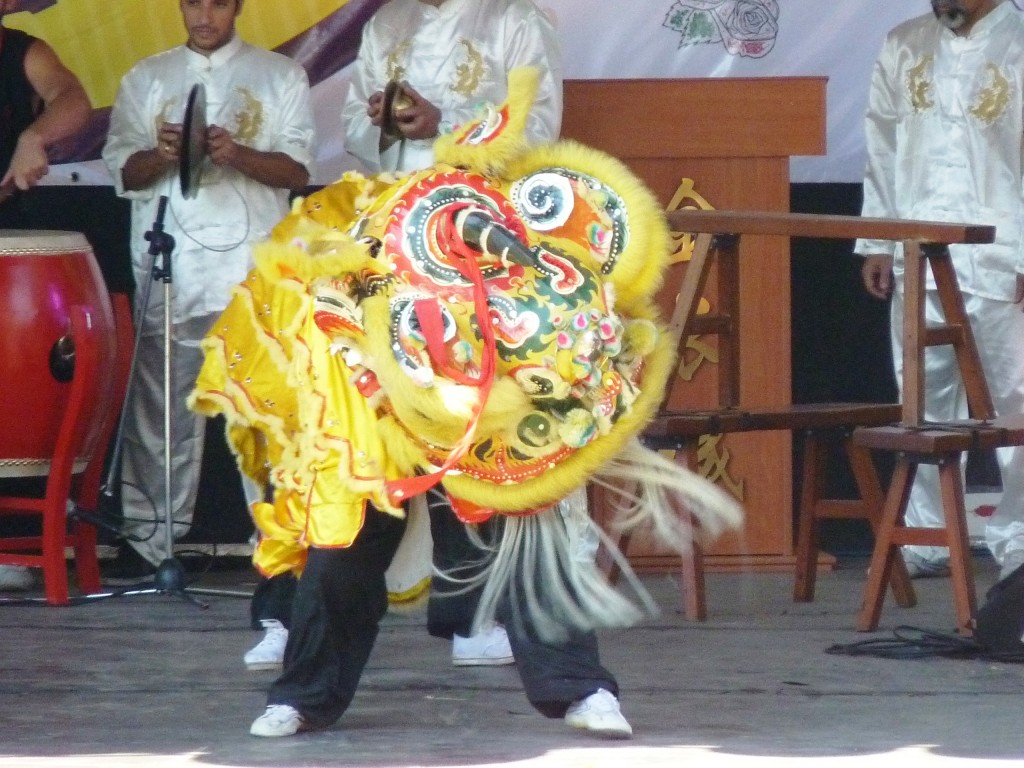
{"x": 733, "y": 139}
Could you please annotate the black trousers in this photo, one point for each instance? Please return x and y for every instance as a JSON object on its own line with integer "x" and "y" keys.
{"x": 554, "y": 675}
{"x": 339, "y": 602}
{"x": 272, "y": 599}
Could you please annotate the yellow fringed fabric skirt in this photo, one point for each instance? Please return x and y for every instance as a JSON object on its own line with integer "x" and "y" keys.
{"x": 294, "y": 419}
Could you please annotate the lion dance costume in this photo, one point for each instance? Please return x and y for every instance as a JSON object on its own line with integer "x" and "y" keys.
{"x": 487, "y": 325}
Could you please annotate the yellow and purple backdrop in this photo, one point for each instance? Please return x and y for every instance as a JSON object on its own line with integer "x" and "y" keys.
{"x": 101, "y": 39}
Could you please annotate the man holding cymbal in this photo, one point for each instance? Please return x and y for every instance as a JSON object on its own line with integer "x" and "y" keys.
{"x": 257, "y": 150}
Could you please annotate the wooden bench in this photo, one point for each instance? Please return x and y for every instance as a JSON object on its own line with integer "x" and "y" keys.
{"x": 717, "y": 237}
{"x": 821, "y": 424}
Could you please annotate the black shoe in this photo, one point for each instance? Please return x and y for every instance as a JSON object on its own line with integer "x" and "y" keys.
{"x": 127, "y": 567}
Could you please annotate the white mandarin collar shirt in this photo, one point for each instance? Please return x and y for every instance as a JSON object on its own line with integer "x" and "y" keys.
{"x": 263, "y": 99}
{"x": 457, "y": 56}
{"x": 945, "y": 137}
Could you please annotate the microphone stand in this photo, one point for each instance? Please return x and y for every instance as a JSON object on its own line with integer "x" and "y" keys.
{"x": 170, "y": 573}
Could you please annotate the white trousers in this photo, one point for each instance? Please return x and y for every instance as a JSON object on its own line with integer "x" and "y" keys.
{"x": 999, "y": 332}
{"x": 142, "y": 467}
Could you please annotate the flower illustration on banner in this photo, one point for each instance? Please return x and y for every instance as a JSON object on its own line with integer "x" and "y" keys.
{"x": 744, "y": 27}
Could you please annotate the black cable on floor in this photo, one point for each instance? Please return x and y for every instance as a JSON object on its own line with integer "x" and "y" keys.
{"x": 916, "y": 643}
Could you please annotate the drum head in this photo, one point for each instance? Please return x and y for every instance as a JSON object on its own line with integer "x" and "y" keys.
{"x": 193, "y": 141}
{"x": 41, "y": 242}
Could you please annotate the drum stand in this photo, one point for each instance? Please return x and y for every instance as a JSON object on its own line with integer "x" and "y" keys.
{"x": 170, "y": 574}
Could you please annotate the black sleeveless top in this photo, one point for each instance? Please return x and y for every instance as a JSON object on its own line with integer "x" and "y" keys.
{"x": 19, "y": 104}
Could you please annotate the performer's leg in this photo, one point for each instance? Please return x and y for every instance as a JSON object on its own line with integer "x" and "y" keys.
{"x": 561, "y": 679}
{"x": 557, "y": 674}
{"x": 999, "y": 329}
{"x": 271, "y": 606}
{"x": 270, "y": 610}
{"x": 272, "y": 600}
{"x": 564, "y": 677}
{"x": 451, "y": 606}
{"x": 339, "y": 602}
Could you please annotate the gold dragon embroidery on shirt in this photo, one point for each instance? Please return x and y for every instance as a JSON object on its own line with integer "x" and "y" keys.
{"x": 249, "y": 119}
{"x": 993, "y": 98}
{"x": 469, "y": 73}
{"x": 394, "y": 66}
{"x": 919, "y": 85}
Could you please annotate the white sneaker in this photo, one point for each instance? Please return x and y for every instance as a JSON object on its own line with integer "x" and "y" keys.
{"x": 921, "y": 568}
{"x": 268, "y": 653}
{"x": 599, "y": 713}
{"x": 15, "y": 578}
{"x": 489, "y": 648}
{"x": 1011, "y": 562}
{"x": 277, "y": 720}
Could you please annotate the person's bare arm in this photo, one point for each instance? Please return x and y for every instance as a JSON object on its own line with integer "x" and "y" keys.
{"x": 66, "y": 110}
{"x": 275, "y": 169}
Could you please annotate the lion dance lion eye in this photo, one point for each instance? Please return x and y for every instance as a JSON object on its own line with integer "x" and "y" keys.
{"x": 409, "y": 322}
{"x": 535, "y": 430}
{"x": 544, "y": 200}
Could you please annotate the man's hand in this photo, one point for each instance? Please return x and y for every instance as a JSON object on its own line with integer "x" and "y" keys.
{"x": 168, "y": 142}
{"x": 877, "y": 274}
{"x": 147, "y": 166}
{"x": 272, "y": 168}
{"x": 421, "y": 119}
{"x": 221, "y": 147}
{"x": 375, "y": 109}
{"x": 29, "y": 163}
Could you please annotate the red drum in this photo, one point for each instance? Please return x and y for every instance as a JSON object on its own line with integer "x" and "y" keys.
{"x": 42, "y": 275}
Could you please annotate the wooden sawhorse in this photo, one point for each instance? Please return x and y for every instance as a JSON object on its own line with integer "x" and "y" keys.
{"x": 717, "y": 239}
{"x": 915, "y": 442}
{"x": 943, "y": 445}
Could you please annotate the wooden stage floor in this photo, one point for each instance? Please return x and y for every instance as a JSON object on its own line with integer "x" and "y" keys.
{"x": 154, "y": 681}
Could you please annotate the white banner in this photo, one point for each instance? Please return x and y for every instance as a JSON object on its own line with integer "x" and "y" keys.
{"x": 839, "y": 39}
{"x": 625, "y": 39}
